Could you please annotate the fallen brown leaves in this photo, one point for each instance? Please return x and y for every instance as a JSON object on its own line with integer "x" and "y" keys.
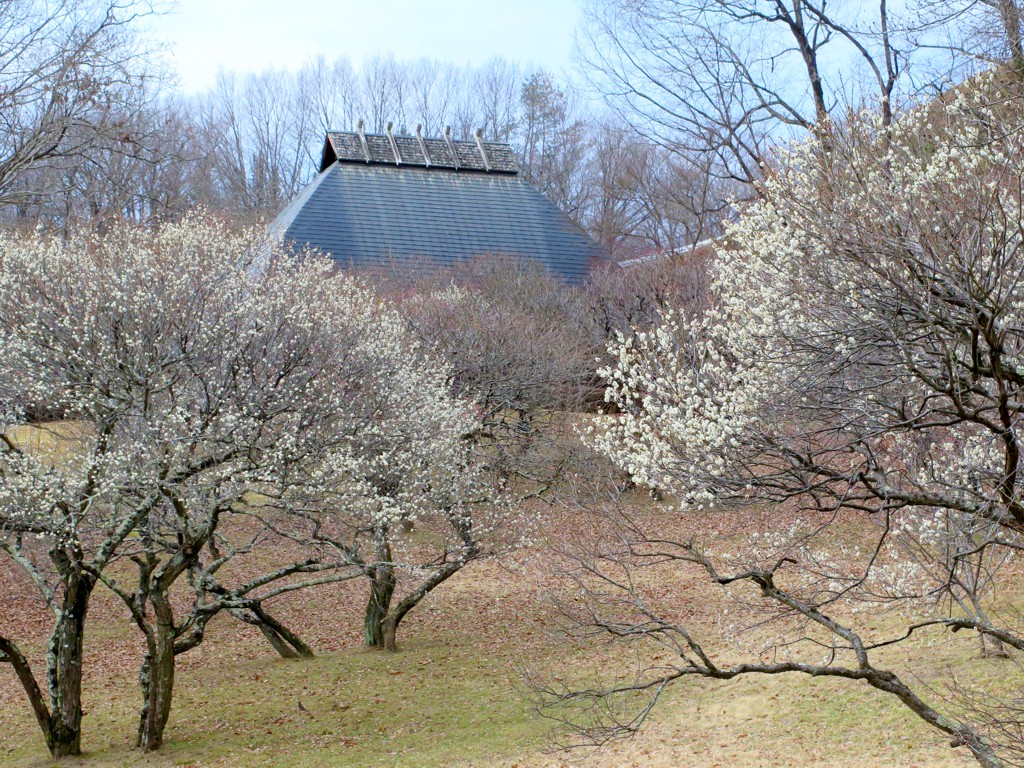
{"x": 497, "y": 615}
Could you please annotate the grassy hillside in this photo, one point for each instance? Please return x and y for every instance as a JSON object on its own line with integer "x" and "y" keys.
{"x": 453, "y": 695}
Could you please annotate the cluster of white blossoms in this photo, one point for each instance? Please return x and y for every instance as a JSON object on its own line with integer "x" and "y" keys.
{"x": 689, "y": 390}
{"x": 873, "y": 291}
{"x": 197, "y": 363}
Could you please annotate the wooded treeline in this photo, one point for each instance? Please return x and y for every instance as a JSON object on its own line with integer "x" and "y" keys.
{"x": 682, "y": 102}
{"x": 246, "y": 147}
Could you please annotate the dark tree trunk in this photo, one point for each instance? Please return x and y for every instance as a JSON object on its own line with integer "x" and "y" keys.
{"x": 61, "y": 721}
{"x": 10, "y": 653}
{"x": 809, "y": 54}
{"x": 277, "y": 642}
{"x": 389, "y": 632}
{"x": 383, "y": 616}
{"x": 64, "y": 669}
{"x": 382, "y": 589}
{"x": 389, "y": 623}
{"x": 157, "y": 676}
{"x": 288, "y": 644}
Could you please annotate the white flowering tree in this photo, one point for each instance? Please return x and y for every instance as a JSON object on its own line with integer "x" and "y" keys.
{"x": 408, "y": 502}
{"x": 861, "y": 356}
{"x": 200, "y": 383}
{"x": 447, "y": 485}
{"x": 413, "y": 506}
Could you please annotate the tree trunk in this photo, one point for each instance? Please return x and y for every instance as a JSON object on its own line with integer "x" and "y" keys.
{"x": 64, "y": 669}
{"x": 157, "y": 676}
{"x": 382, "y": 589}
{"x": 389, "y": 624}
{"x": 1009, "y": 15}
{"x": 382, "y": 616}
{"x": 10, "y": 653}
{"x": 991, "y": 647}
{"x": 389, "y": 633}
{"x": 810, "y": 57}
{"x": 278, "y": 643}
{"x": 386, "y": 631}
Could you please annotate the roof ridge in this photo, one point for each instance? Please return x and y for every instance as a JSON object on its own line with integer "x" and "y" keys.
{"x": 425, "y": 137}
{"x": 447, "y": 153}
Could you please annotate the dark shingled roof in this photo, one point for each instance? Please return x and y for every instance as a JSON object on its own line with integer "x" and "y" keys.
{"x": 440, "y": 202}
{"x": 390, "y": 149}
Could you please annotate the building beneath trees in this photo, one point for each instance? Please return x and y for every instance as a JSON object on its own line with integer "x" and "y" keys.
{"x": 414, "y": 205}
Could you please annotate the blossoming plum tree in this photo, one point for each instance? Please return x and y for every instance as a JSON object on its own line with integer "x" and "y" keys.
{"x": 209, "y": 392}
{"x": 408, "y": 502}
{"x": 861, "y": 355}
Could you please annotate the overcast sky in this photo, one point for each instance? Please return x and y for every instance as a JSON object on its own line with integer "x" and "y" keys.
{"x": 251, "y": 35}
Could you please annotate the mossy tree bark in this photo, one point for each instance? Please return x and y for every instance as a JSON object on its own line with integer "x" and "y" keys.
{"x": 383, "y": 614}
{"x": 156, "y": 676}
{"x": 61, "y": 719}
{"x": 382, "y": 589}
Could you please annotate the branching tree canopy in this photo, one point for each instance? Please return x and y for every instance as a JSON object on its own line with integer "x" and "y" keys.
{"x": 210, "y": 392}
{"x": 972, "y": 32}
{"x": 70, "y": 72}
{"x": 409, "y": 501}
{"x": 860, "y": 358}
{"x": 727, "y": 78}
{"x": 890, "y": 265}
{"x": 516, "y": 349}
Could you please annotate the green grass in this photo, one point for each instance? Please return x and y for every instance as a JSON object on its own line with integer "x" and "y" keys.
{"x": 429, "y": 706}
{"x": 453, "y": 695}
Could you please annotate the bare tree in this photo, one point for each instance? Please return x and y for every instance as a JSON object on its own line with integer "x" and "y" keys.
{"x": 725, "y": 78}
{"x": 71, "y": 73}
{"x": 384, "y": 83}
{"x": 969, "y": 33}
{"x": 434, "y": 88}
{"x": 495, "y": 90}
{"x": 520, "y": 345}
{"x": 329, "y": 93}
{"x": 255, "y": 140}
{"x": 262, "y": 130}
{"x": 555, "y": 143}
{"x": 634, "y": 297}
{"x": 150, "y": 169}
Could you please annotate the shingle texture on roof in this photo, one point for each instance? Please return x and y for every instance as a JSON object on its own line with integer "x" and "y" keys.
{"x": 384, "y": 149}
{"x": 430, "y": 217}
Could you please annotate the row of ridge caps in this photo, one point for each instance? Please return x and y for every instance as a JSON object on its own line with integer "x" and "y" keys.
{"x": 391, "y": 149}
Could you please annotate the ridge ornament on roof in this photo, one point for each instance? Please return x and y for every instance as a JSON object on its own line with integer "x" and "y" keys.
{"x": 389, "y": 148}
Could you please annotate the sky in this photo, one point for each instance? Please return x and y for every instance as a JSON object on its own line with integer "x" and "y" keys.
{"x": 204, "y": 36}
